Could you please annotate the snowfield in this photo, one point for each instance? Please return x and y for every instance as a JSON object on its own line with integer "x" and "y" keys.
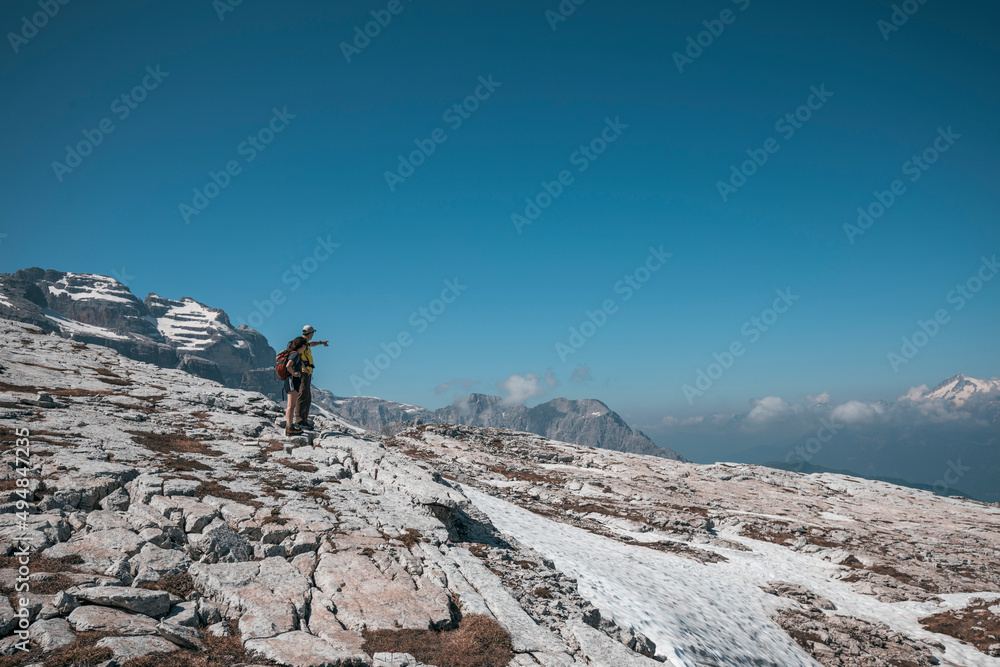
{"x": 716, "y": 611}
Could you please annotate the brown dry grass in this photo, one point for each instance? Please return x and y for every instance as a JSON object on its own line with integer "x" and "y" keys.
{"x": 185, "y": 465}
{"x": 81, "y": 392}
{"x": 51, "y": 368}
{"x": 272, "y": 446}
{"x": 218, "y": 651}
{"x": 408, "y": 538}
{"x": 18, "y": 388}
{"x": 41, "y": 563}
{"x": 317, "y": 494}
{"x": 179, "y": 584}
{"x": 975, "y": 624}
{"x": 82, "y": 653}
{"x": 477, "y": 642}
{"x": 171, "y": 443}
{"x": 212, "y": 488}
{"x": 301, "y": 466}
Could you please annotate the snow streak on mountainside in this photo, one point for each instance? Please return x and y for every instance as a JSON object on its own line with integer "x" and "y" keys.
{"x": 173, "y": 334}
{"x": 586, "y": 422}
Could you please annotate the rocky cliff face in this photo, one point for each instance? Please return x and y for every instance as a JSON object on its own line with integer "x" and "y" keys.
{"x": 172, "y": 334}
{"x": 585, "y": 422}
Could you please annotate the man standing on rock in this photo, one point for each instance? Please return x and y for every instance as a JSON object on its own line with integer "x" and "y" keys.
{"x": 305, "y": 394}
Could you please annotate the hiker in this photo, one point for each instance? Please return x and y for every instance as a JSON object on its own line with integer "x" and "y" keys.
{"x": 305, "y": 395}
{"x": 293, "y": 382}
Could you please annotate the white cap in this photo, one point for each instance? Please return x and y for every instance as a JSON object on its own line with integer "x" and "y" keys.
{"x": 308, "y": 329}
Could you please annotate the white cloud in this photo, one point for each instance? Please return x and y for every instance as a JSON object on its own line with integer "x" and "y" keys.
{"x": 520, "y": 388}
{"x": 771, "y": 408}
{"x": 581, "y": 374}
{"x": 823, "y": 398}
{"x": 916, "y": 394}
{"x": 857, "y": 412}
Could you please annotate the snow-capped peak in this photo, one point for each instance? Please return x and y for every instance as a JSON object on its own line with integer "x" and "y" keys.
{"x": 960, "y": 388}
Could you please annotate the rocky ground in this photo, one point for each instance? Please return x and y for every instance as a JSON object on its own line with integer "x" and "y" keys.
{"x": 887, "y": 551}
{"x": 151, "y": 517}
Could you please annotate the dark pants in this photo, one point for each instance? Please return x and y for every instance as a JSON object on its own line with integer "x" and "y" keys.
{"x": 305, "y": 396}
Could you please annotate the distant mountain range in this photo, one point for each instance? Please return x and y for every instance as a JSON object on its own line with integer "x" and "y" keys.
{"x": 587, "y": 422}
{"x": 201, "y": 340}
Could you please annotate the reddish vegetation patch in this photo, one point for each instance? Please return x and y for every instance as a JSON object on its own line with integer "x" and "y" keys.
{"x": 889, "y": 571}
{"x": 171, "y": 443}
{"x": 81, "y": 392}
{"x": 18, "y": 388}
{"x": 118, "y": 382}
{"x": 477, "y": 642}
{"x": 773, "y": 533}
{"x": 50, "y": 368}
{"x": 179, "y": 584}
{"x": 975, "y": 624}
{"x": 316, "y": 494}
{"x": 41, "y": 563}
{"x": 273, "y": 446}
{"x": 82, "y": 653}
{"x": 409, "y": 538}
{"x": 218, "y": 651}
{"x": 301, "y": 466}
{"x": 219, "y": 491}
{"x": 185, "y": 465}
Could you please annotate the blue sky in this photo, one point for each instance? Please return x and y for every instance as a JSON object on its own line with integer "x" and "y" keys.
{"x": 609, "y": 67}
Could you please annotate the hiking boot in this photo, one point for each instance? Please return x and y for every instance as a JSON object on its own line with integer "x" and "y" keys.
{"x": 305, "y": 425}
{"x": 293, "y": 430}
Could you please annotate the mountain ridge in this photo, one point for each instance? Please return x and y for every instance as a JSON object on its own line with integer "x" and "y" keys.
{"x": 192, "y": 336}
{"x": 586, "y": 422}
